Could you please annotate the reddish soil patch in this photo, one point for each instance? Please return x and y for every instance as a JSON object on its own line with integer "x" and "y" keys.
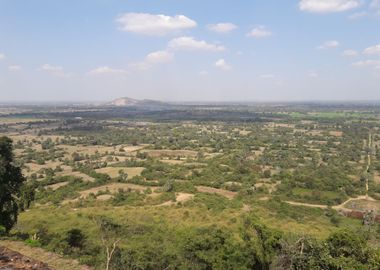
{"x": 15, "y": 261}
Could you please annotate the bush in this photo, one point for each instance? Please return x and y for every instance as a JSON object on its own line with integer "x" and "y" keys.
{"x": 33, "y": 242}
{"x": 75, "y": 238}
{"x": 3, "y": 231}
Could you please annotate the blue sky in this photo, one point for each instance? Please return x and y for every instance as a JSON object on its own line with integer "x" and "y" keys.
{"x": 191, "y": 50}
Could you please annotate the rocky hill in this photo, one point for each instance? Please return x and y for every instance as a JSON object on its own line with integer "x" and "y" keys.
{"x": 129, "y": 102}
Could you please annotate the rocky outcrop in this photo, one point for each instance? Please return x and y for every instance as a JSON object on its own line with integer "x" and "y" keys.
{"x": 11, "y": 260}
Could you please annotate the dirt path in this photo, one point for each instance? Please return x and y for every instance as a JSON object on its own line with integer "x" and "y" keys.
{"x": 336, "y": 207}
{"x": 322, "y": 206}
{"x": 53, "y": 260}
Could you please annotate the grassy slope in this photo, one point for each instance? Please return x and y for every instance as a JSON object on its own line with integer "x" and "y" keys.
{"x": 291, "y": 219}
{"x": 52, "y": 259}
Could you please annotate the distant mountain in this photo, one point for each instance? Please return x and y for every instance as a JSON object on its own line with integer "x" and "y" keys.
{"x": 129, "y": 102}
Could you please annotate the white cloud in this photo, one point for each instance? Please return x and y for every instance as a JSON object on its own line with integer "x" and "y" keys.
{"x": 107, "y": 70}
{"x": 48, "y": 67}
{"x": 350, "y": 53}
{"x": 203, "y": 73}
{"x": 190, "y": 44}
{"x": 159, "y": 57}
{"x": 154, "y": 58}
{"x": 14, "y": 68}
{"x": 358, "y": 15}
{"x": 2, "y": 56}
{"x": 313, "y": 74}
{"x": 325, "y": 6}
{"x": 222, "y": 27}
{"x": 267, "y": 76}
{"x": 222, "y": 64}
{"x": 375, "y": 4}
{"x": 259, "y": 32}
{"x": 366, "y": 63}
{"x": 331, "y": 44}
{"x": 372, "y": 50}
{"x": 55, "y": 70}
{"x": 154, "y": 25}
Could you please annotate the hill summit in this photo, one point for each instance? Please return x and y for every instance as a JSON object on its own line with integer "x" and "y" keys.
{"x": 126, "y": 102}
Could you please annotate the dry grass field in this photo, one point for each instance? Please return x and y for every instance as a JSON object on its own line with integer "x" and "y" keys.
{"x": 336, "y": 133}
{"x": 85, "y": 177}
{"x": 376, "y": 177}
{"x": 114, "y": 171}
{"x": 180, "y": 198}
{"x": 57, "y": 186}
{"x": 19, "y": 120}
{"x": 89, "y": 149}
{"x": 171, "y": 153}
{"x": 132, "y": 148}
{"x": 109, "y": 188}
{"x": 363, "y": 205}
{"x": 113, "y": 188}
{"x": 35, "y": 168}
{"x": 28, "y": 137}
{"x": 172, "y": 161}
{"x": 226, "y": 193}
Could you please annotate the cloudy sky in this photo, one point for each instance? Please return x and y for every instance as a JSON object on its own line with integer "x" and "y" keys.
{"x": 189, "y": 50}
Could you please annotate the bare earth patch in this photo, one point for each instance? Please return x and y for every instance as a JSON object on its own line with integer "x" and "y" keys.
{"x": 376, "y": 177}
{"x": 172, "y": 161}
{"x": 85, "y": 177}
{"x": 53, "y": 260}
{"x": 114, "y": 171}
{"x": 226, "y": 193}
{"x": 132, "y": 148}
{"x": 180, "y": 198}
{"x": 336, "y": 133}
{"x": 364, "y": 205}
{"x": 57, "y": 186}
{"x": 104, "y": 197}
{"x": 12, "y": 260}
{"x": 35, "y": 168}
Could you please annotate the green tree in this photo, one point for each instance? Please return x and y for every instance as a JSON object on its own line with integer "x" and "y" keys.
{"x": 110, "y": 236}
{"x": 75, "y": 238}
{"x": 261, "y": 243}
{"x": 11, "y": 181}
{"x": 27, "y": 195}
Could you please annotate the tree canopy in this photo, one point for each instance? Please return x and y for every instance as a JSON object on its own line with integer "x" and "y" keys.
{"x": 11, "y": 181}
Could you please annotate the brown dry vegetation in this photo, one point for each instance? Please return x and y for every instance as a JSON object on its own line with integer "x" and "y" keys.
{"x": 114, "y": 171}
{"x": 226, "y": 193}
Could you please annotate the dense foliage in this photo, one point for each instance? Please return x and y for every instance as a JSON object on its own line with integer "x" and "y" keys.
{"x": 11, "y": 182}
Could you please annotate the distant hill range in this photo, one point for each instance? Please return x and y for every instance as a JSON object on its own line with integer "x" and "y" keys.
{"x": 130, "y": 102}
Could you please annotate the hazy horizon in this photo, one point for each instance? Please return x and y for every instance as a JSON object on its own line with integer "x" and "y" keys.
{"x": 190, "y": 102}
{"x": 253, "y": 51}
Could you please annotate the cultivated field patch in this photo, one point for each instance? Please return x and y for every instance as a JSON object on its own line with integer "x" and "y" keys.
{"x": 114, "y": 171}
{"x": 226, "y": 193}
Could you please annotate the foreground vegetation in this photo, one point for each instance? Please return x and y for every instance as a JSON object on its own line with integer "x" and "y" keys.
{"x": 260, "y": 187}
